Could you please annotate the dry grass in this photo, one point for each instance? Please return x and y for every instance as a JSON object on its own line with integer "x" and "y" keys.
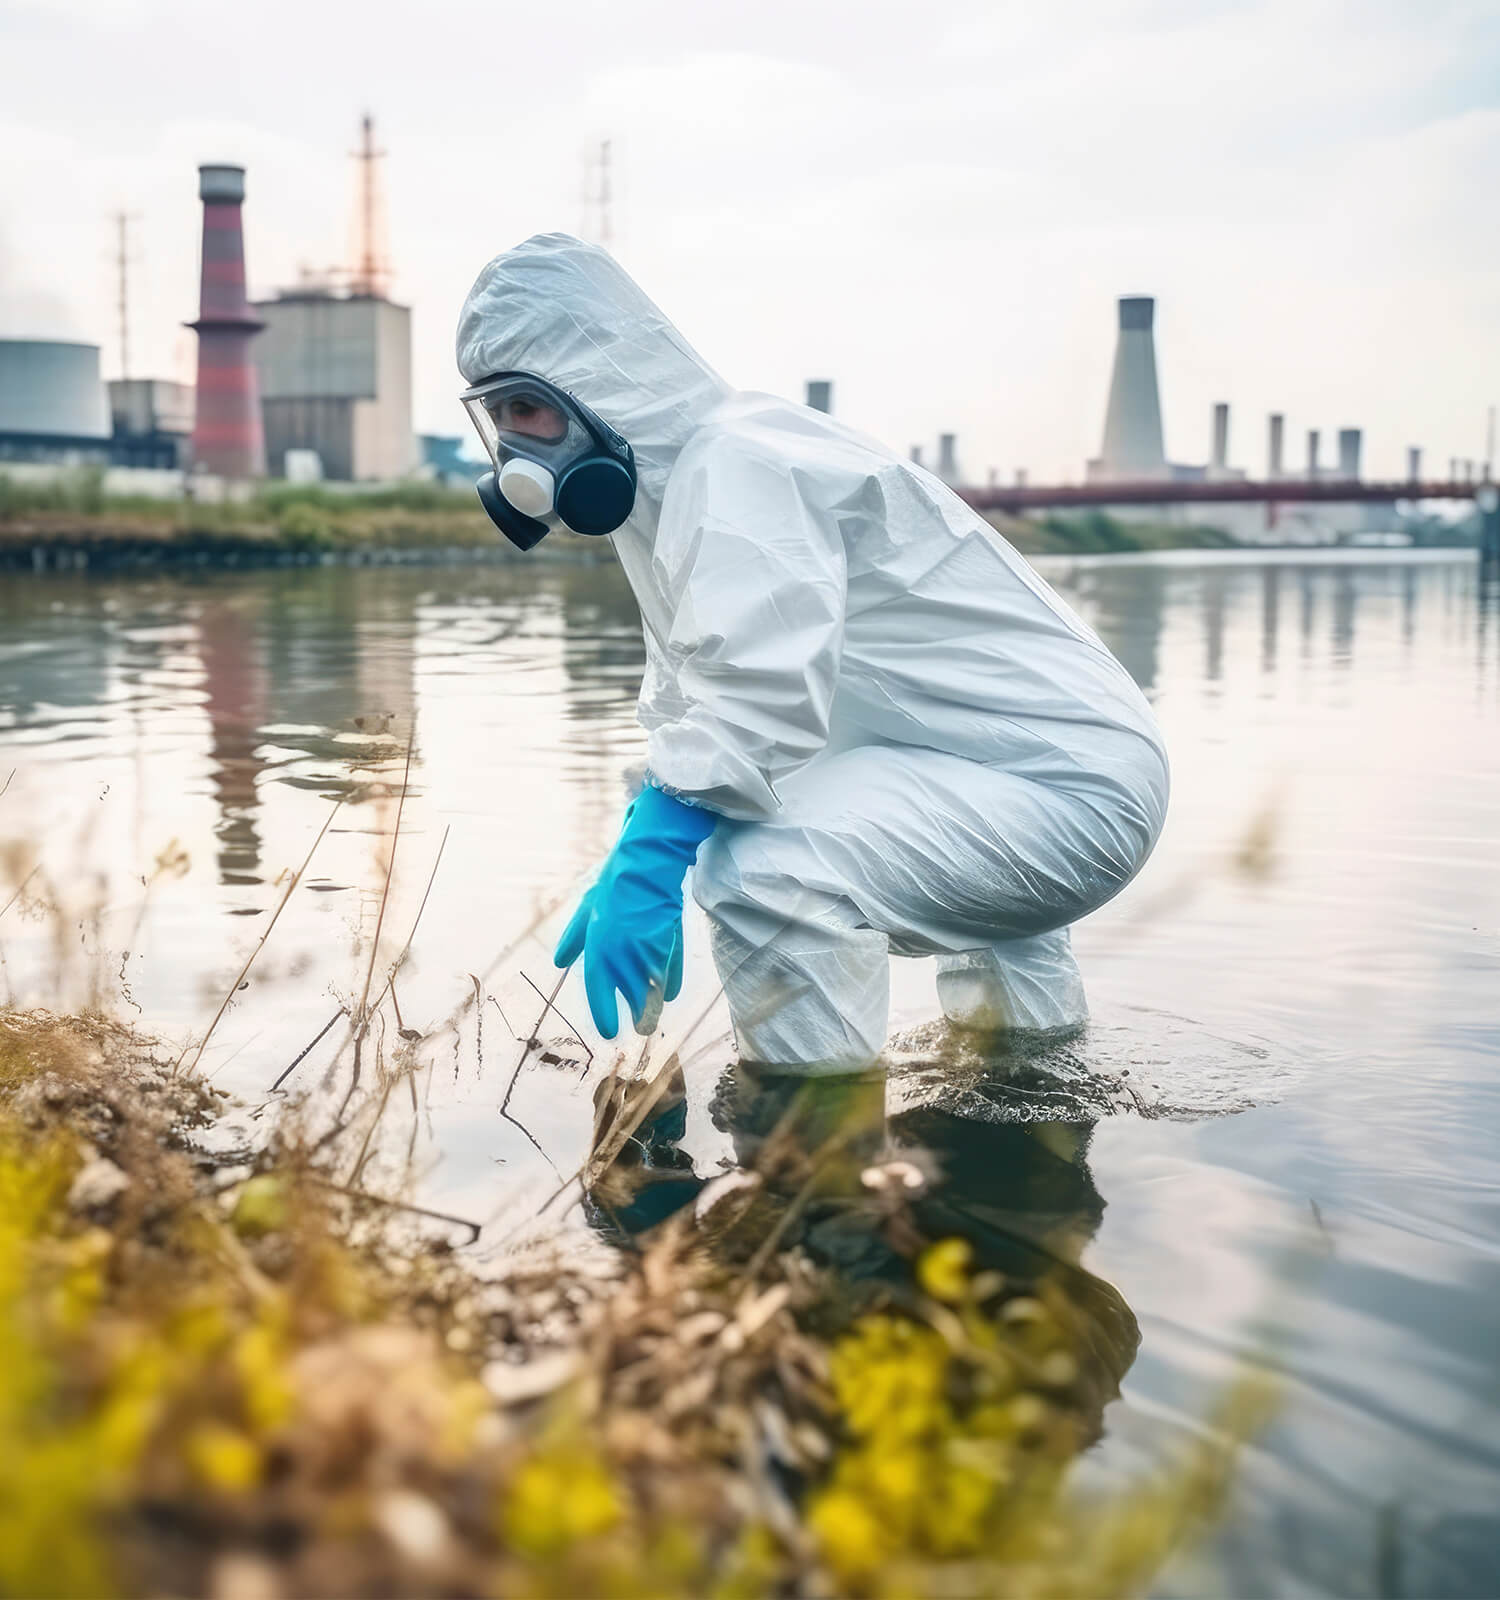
{"x": 231, "y": 1375}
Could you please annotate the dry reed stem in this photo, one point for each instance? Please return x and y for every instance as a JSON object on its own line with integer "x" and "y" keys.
{"x": 385, "y": 893}
{"x": 259, "y": 944}
{"x": 550, "y": 1006}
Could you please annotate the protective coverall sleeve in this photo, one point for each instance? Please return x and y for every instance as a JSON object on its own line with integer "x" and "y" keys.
{"x": 755, "y": 576}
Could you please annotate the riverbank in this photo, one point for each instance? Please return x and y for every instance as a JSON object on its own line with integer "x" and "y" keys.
{"x": 236, "y": 1372}
{"x": 72, "y": 524}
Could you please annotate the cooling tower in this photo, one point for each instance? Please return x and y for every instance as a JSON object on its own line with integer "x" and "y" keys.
{"x": 1133, "y": 445}
{"x": 227, "y": 435}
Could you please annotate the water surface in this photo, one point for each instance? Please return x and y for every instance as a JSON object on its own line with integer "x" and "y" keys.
{"x": 1306, "y": 976}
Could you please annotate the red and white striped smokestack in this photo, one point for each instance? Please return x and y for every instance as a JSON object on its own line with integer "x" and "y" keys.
{"x": 228, "y": 435}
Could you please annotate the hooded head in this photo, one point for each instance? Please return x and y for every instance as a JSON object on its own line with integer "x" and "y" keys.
{"x": 570, "y": 313}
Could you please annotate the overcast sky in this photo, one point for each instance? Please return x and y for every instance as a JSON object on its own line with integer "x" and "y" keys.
{"x": 934, "y": 205}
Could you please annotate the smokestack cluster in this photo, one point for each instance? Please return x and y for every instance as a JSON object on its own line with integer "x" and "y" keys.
{"x": 1350, "y": 447}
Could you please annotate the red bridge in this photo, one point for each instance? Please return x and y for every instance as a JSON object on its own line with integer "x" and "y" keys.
{"x": 1211, "y": 491}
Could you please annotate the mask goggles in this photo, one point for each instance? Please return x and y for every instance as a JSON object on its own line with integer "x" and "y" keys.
{"x": 555, "y": 461}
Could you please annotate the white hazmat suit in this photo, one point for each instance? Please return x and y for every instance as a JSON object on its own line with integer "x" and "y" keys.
{"x": 915, "y": 746}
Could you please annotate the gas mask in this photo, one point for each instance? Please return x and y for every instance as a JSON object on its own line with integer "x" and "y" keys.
{"x": 554, "y": 460}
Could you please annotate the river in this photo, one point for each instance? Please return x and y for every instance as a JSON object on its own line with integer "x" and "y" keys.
{"x": 1303, "y": 987}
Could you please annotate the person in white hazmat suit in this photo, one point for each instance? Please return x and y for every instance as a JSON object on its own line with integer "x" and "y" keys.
{"x": 874, "y": 725}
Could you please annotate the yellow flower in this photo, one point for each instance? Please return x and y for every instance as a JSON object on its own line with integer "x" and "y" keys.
{"x": 850, "y": 1535}
{"x": 560, "y": 1499}
{"x": 943, "y": 1270}
{"x": 223, "y": 1458}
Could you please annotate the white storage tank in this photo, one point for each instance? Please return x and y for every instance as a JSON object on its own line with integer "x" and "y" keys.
{"x": 52, "y": 389}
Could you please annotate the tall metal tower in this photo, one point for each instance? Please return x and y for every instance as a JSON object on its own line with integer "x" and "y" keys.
{"x": 371, "y": 272}
{"x": 598, "y": 194}
{"x": 228, "y": 436}
{"x": 123, "y": 219}
{"x": 1133, "y": 446}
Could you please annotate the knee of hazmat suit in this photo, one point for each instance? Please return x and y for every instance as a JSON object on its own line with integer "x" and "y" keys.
{"x": 805, "y": 592}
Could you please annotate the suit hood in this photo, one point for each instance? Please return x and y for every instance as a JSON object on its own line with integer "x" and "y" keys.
{"x": 569, "y": 312}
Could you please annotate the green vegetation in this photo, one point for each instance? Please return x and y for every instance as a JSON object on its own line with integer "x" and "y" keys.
{"x": 313, "y": 520}
{"x": 239, "y": 1376}
{"x": 1088, "y": 533}
{"x": 75, "y": 512}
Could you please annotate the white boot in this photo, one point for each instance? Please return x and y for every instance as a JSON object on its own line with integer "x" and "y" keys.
{"x": 1024, "y": 983}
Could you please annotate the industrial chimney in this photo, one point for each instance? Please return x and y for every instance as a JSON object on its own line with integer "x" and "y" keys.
{"x": 1349, "y": 452}
{"x": 1133, "y": 445}
{"x": 228, "y": 438}
{"x": 1413, "y": 464}
{"x": 1275, "y": 464}
{"x": 1221, "y": 436}
{"x": 819, "y": 394}
{"x": 1312, "y": 452}
{"x": 947, "y": 467}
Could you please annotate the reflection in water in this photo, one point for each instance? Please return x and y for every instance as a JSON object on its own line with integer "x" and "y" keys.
{"x": 1215, "y": 599}
{"x": 1023, "y": 1196}
{"x": 1126, "y": 609}
{"x": 1270, "y": 616}
{"x": 1345, "y": 604}
{"x": 1307, "y": 584}
{"x": 235, "y": 698}
{"x": 829, "y": 1163}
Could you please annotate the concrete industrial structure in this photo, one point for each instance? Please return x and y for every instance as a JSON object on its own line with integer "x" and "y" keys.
{"x": 53, "y": 406}
{"x": 1134, "y": 454}
{"x": 947, "y": 465}
{"x": 227, "y": 437}
{"x": 1275, "y": 445}
{"x": 152, "y": 420}
{"x": 335, "y": 378}
{"x": 1133, "y": 446}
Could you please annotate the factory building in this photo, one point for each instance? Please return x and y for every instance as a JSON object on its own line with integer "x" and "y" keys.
{"x": 335, "y": 378}
{"x": 53, "y": 406}
{"x": 152, "y": 420}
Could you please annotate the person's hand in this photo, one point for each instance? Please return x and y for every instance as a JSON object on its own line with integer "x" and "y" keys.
{"x": 628, "y": 927}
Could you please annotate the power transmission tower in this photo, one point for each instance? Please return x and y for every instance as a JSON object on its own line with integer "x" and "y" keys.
{"x": 123, "y": 219}
{"x": 370, "y": 267}
{"x": 598, "y": 194}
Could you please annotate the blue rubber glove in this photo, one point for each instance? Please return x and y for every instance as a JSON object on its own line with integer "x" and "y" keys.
{"x": 628, "y": 927}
